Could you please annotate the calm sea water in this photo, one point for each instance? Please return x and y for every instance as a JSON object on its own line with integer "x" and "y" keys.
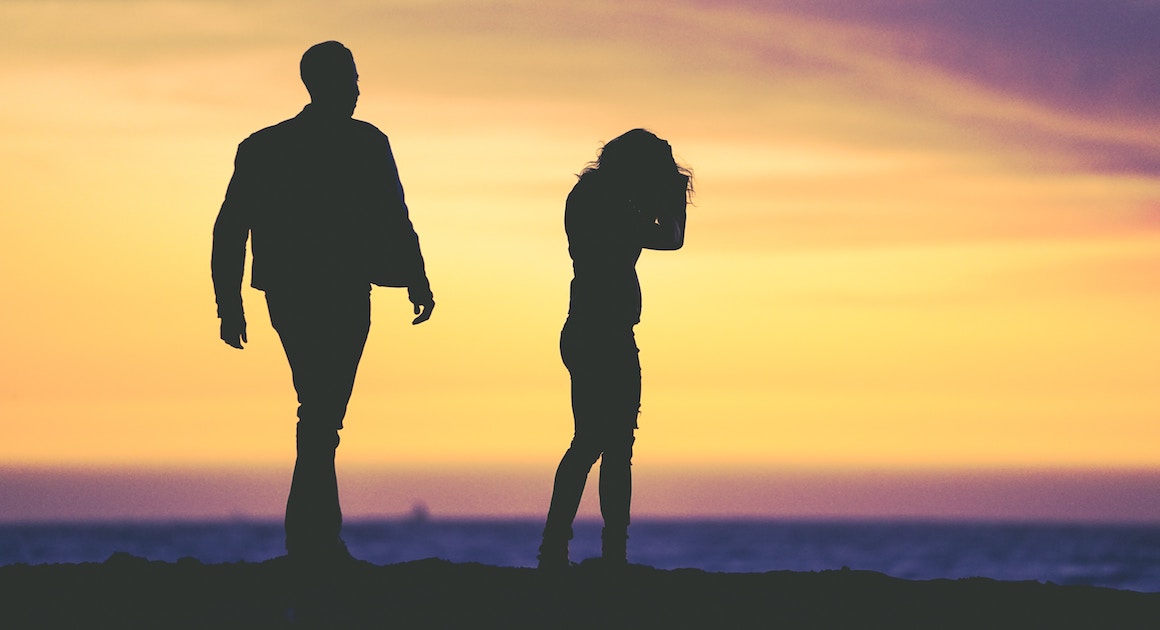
{"x": 1116, "y": 556}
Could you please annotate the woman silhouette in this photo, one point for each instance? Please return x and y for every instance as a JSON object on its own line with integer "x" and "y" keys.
{"x": 632, "y": 197}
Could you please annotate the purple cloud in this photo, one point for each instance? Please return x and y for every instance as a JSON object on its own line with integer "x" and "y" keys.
{"x": 1084, "y": 60}
{"x": 1081, "y": 55}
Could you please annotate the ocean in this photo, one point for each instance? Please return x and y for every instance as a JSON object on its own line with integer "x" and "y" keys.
{"x": 1115, "y": 556}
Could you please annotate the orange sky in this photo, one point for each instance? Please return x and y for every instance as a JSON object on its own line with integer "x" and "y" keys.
{"x": 920, "y": 240}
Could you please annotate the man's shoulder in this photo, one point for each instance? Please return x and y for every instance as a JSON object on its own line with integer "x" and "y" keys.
{"x": 294, "y": 126}
{"x": 370, "y": 137}
{"x": 274, "y": 131}
{"x": 290, "y": 135}
{"x": 268, "y": 137}
{"x": 365, "y": 127}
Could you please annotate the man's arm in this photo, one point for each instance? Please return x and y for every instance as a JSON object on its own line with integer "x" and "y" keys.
{"x": 399, "y": 226}
{"x": 423, "y": 310}
{"x": 227, "y": 262}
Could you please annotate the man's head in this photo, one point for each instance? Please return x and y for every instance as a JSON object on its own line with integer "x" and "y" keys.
{"x": 330, "y": 76}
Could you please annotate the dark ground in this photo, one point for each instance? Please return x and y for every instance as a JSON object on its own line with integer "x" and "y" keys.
{"x": 128, "y": 592}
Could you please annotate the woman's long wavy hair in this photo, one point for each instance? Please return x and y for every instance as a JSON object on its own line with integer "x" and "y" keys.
{"x": 638, "y": 158}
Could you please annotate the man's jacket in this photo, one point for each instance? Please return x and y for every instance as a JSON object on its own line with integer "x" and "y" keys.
{"x": 320, "y": 199}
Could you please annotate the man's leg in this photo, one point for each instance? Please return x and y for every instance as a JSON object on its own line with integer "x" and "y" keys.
{"x": 323, "y": 336}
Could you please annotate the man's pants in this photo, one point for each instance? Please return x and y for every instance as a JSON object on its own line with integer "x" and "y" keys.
{"x": 323, "y": 334}
{"x": 605, "y": 368}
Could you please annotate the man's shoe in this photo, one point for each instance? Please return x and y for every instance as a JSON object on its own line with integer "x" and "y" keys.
{"x": 553, "y": 556}
{"x": 328, "y": 556}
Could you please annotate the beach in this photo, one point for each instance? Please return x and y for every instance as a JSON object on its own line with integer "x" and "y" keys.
{"x": 127, "y": 591}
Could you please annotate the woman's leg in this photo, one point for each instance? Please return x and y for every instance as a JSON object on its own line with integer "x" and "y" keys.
{"x": 616, "y": 499}
{"x": 571, "y": 477}
{"x": 622, "y": 396}
{"x": 572, "y": 473}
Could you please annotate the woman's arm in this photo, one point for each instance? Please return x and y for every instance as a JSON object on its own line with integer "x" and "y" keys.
{"x": 667, "y": 231}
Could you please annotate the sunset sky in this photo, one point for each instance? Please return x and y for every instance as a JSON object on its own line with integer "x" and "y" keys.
{"x": 925, "y": 245}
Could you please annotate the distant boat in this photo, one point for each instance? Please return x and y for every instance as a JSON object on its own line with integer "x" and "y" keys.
{"x": 419, "y": 514}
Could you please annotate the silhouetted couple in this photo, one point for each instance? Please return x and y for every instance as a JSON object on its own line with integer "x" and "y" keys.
{"x": 319, "y": 198}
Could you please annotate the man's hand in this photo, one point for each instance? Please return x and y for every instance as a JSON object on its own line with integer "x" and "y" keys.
{"x": 423, "y": 310}
{"x": 234, "y": 331}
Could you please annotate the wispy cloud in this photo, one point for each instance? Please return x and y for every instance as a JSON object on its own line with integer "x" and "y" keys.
{"x": 1076, "y": 77}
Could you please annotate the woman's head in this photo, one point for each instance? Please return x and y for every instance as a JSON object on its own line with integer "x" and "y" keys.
{"x": 639, "y": 160}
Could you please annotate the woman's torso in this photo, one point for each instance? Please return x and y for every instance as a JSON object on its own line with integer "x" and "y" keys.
{"x": 604, "y": 241}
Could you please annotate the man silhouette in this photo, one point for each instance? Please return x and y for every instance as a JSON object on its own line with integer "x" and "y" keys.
{"x": 319, "y": 196}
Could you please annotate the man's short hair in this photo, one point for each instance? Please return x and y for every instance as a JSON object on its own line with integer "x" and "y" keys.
{"x": 326, "y": 64}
